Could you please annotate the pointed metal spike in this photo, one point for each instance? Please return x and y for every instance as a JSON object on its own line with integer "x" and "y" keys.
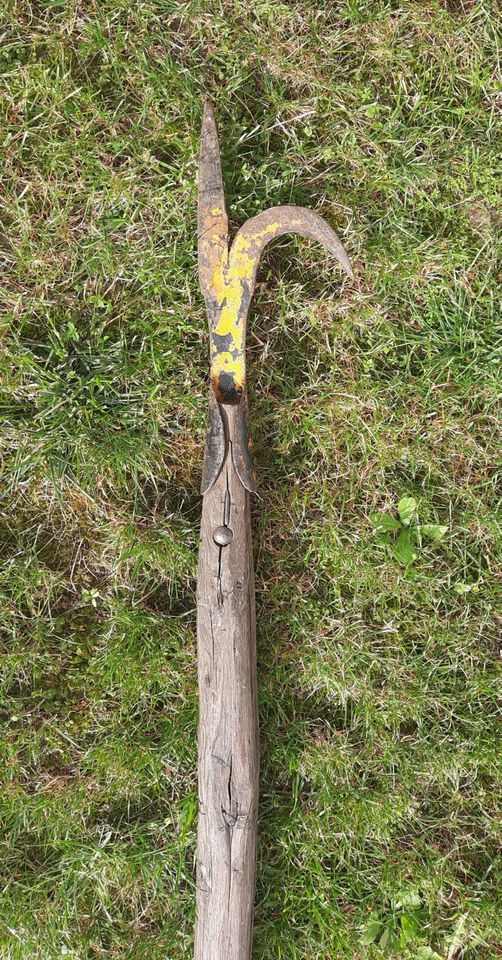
{"x": 210, "y": 179}
{"x": 212, "y": 217}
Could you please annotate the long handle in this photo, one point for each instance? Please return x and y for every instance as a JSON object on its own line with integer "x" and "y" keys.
{"x": 228, "y": 726}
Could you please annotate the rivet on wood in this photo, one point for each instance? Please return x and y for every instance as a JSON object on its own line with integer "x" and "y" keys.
{"x": 223, "y": 536}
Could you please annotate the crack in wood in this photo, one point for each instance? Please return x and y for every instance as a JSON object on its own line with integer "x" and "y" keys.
{"x": 228, "y": 746}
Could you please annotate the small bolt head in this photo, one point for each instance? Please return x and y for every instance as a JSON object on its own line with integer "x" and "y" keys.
{"x": 223, "y": 536}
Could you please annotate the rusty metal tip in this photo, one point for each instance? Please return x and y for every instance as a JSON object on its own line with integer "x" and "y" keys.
{"x": 338, "y": 252}
{"x": 348, "y": 268}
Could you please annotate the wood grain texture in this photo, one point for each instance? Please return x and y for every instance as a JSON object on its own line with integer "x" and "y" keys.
{"x": 228, "y": 728}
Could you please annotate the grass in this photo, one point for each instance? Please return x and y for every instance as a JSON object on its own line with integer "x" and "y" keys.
{"x": 377, "y": 676}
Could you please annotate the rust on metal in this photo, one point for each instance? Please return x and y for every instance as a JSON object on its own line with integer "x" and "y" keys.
{"x": 216, "y": 445}
{"x": 227, "y": 279}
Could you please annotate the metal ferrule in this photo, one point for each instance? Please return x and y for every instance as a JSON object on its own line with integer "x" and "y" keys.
{"x": 218, "y": 443}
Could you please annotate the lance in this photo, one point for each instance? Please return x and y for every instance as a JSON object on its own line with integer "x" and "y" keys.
{"x": 226, "y": 629}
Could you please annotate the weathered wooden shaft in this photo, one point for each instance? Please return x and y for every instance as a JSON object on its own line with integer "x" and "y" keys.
{"x": 228, "y": 726}
{"x": 228, "y": 736}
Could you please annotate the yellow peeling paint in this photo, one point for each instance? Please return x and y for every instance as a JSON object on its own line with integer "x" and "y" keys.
{"x": 228, "y": 279}
{"x": 225, "y": 363}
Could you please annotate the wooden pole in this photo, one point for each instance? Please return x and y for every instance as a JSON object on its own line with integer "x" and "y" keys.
{"x": 228, "y": 737}
{"x": 228, "y": 725}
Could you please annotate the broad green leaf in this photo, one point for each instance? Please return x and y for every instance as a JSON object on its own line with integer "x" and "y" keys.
{"x": 434, "y": 531}
{"x": 402, "y": 549}
{"x": 384, "y": 522}
{"x": 408, "y": 898}
{"x": 406, "y": 509}
{"x": 409, "y": 928}
{"x": 370, "y": 932}
{"x": 425, "y": 953}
